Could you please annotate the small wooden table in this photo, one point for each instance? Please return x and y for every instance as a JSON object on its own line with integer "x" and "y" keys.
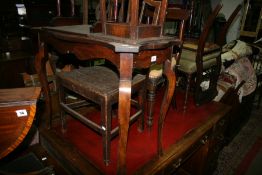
{"x": 124, "y": 53}
{"x": 17, "y": 112}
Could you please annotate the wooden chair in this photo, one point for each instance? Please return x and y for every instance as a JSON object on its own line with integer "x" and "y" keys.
{"x": 180, "y": 16}
{"x": 198, "y": 58}
{"x": 60, "y": 20}
{"x": 151, "y": 16}
{"x": 100, "y": 84}
{"x": 131, "y": 27}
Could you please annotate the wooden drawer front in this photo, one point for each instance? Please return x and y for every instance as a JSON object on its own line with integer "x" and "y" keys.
{"x": 176, "y": 163}
{"x": 220, "y": 128}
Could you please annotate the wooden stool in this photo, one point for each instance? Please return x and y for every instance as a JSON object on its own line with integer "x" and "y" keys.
{"x": 100, "y": 85}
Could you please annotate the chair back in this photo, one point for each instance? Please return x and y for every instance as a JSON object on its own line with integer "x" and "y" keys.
{"x": 151, "y": 15}
{"x": 206, "y": 29}
{"x": 60, "y": 20}
{"x": 180, "y": 15}
{"x": 124, "y": 18}
{"x": 212, "y": 72}
{"x": 221, "y": 37}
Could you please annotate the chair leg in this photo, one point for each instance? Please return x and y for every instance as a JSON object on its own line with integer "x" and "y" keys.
{"x": 62, "y": 112}
{"x": 151, "y": 101}
{"x": 187, "y": 91}
{"x": 259, "y": 97}
{"x": 141, "y": 101}
{"x": 106, "y": 111}
{"x": 173, "y": 101}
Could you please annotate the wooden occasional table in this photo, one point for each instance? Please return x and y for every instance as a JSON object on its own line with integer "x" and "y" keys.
{"x": 124, "y": 53}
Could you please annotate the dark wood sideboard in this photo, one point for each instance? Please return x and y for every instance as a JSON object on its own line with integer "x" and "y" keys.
{"x": 195, "y": 152}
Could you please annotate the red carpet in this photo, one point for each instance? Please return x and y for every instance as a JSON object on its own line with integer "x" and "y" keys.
{"x": 141, "y": 146}
{"x": 250, "y": 157}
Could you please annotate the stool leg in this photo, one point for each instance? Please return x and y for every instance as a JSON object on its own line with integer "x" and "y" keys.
{"x": 106, "y": 118}
{"x": 62, "y": 112}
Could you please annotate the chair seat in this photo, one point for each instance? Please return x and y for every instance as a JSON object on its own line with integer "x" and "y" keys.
{"x": 95, "y": 82}
{"x": 188, "y": 60}
{"x": 156, "y": 70}
{"x": 193, "y": 45}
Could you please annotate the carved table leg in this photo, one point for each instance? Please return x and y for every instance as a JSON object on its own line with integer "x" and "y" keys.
{"x": 165, "y": 103}
{"x": 40, "y": 66}
{"x": 126, "y": 66}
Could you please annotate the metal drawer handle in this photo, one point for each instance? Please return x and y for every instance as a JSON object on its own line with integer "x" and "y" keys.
{"x": 204, "y": 140}
{"x": 178, "y": 163}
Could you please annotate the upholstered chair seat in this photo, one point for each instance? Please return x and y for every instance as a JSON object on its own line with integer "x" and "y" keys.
{"x": 156, "y": 70}
{"x": 188, "y": 60}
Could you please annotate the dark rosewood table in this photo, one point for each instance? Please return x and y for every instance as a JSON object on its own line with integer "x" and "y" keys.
{"x": 125, "y": 54}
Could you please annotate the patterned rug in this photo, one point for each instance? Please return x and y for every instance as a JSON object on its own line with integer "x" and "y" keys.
{"x": 233, "y": 155}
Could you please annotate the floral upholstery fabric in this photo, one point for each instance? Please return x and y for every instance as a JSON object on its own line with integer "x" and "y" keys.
{"x": 240, "y": 70}
{"x": 243, "y": 70}
{"x": 234, "y": 50}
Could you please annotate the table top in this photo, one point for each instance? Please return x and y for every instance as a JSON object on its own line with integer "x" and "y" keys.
{"x": 19, "y": 96}
{"x": 81, "y": 33}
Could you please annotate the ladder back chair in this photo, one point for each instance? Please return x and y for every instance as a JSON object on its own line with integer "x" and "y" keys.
{"x": 61, "y": 20}
{"x": 100, "y": 84}
{"x": 203, "y": 61}
{"x": 132, "y": 27}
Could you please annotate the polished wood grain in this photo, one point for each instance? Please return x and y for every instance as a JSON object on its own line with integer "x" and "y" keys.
{"x": 200, "y": 137}
{"x": 191, "y": 143}
{"x": 13, "y": 129}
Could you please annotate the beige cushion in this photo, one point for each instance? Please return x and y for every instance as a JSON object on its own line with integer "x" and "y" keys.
{"x": 234, "y": 50}
{"x": 156, "y": 70}
{"x": 188, "y": 60}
